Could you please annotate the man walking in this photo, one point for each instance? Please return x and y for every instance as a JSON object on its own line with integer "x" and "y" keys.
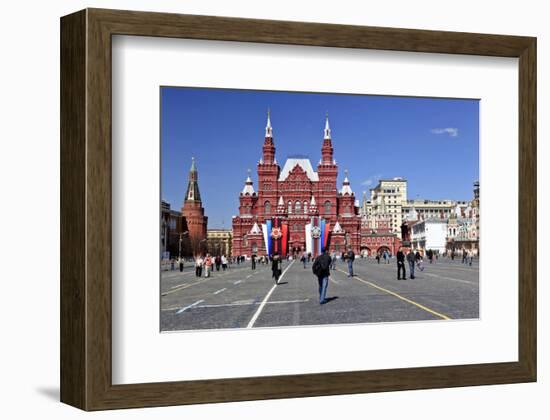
{"x": 303, "y": 259}
{"x": 411, "y": 260}
{"x": 276, "y": 267}
{"x": 253, "y": 258}
{"x": 321, "y": 268}
{"x": 401, "y": 264}
{"x": 350, "y": 257}
{"x": 333, "y": 260}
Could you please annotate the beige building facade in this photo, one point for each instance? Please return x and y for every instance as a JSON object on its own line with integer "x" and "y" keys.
{"x": 219, "y": 241}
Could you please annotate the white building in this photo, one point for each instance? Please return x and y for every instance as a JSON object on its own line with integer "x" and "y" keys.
{"x": 430, "y": 234}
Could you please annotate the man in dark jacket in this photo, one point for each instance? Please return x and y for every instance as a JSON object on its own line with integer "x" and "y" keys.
{"x": 321, "y": 268}
{"x": 411, "y": 261}
{"x": 401, "y": 264}
{"x": 276, "y": 267}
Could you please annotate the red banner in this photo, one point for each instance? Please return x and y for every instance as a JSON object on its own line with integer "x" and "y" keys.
{"x": 284, "y": 238}
{"x": 325, "y": 236}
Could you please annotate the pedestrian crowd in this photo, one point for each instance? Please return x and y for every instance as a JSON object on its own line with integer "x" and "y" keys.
{"x": 412, "y": 259}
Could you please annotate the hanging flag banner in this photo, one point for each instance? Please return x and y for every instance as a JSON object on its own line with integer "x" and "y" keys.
{"x": 284, "y": 238}
{"x": 276, "y": 235}
{"x": 316, "y": 235}
{"x": 266, "y": 238}
{"x": 309, "y": 239}
{"x": 326, "y": 237}
{"x": 268, "y": 246}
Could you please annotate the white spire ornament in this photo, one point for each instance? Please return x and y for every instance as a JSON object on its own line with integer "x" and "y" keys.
{"x": 268, "y": 129}
{"x": 327, "y": 128}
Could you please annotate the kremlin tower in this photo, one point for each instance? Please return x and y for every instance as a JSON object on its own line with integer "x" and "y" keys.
{"x": 195, "y": 222}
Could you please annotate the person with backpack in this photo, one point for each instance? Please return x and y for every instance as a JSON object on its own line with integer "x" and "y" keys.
{"x": 350, "y": 257}
{"x": 321, "y": 269}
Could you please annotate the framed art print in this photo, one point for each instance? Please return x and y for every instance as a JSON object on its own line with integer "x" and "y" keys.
{"x": 261, "y": 209}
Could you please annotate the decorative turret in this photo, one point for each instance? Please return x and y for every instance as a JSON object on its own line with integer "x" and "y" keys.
{"x": 312, "y": 205}
{"x": 248, "y": 187}
{"x": 281, "y": 205}
{"x": 255, "y": 229}
{"x": 346, "y": 188}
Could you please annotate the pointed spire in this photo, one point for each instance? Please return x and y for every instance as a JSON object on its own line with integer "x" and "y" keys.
{"x": 327, "y": 128}
{"x": 268, "y": 128}
{"x": 193, "y": 193}
{"x": 281, "y": 202}
{"x": 255, "y": 229}
{"x": 312, "y": 202}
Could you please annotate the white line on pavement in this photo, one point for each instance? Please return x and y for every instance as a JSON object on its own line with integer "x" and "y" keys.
{"x": 257, "y": 314}
{"x": 189, "y": 306}
{"x": 219, "y": 291}
{"x": 448, "y": 278}
{"x": 237, "y": 282}
{"x": 253, "y": 303}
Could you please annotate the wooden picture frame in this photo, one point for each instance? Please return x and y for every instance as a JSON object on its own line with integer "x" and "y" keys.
{"x": 86, "y": 360}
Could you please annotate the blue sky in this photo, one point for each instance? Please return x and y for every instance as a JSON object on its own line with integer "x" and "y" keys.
{"x": 433, "y": 143}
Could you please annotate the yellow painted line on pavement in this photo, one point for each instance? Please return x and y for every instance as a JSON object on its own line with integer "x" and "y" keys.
{"x": 403, "y": 298}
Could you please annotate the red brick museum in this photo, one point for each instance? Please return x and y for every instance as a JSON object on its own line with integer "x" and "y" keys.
{"x": 301, "y": 206}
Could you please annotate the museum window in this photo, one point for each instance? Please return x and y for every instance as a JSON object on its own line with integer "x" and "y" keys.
{"x": 305, "y": 207}
{"x": 298, "y": 207}
{"x": 327, "y": 207}
{"x": 289, "y": 207}
{"x": 267, "y": 207}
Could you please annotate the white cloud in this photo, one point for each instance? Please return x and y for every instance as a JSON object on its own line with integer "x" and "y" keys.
{"x": 371, "y": 180}
{"x": 451, "y": 131}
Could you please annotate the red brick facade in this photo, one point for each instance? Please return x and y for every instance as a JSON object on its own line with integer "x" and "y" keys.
{"x": 295, "y": 194}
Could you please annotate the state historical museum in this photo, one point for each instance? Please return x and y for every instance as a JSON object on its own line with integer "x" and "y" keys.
{"x": 297, "y": 209}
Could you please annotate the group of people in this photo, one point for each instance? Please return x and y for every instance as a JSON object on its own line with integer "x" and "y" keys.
{"x": 385, "y": 255}
{"x": 208, "y": 264}
{"x": 413, "y": 258}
